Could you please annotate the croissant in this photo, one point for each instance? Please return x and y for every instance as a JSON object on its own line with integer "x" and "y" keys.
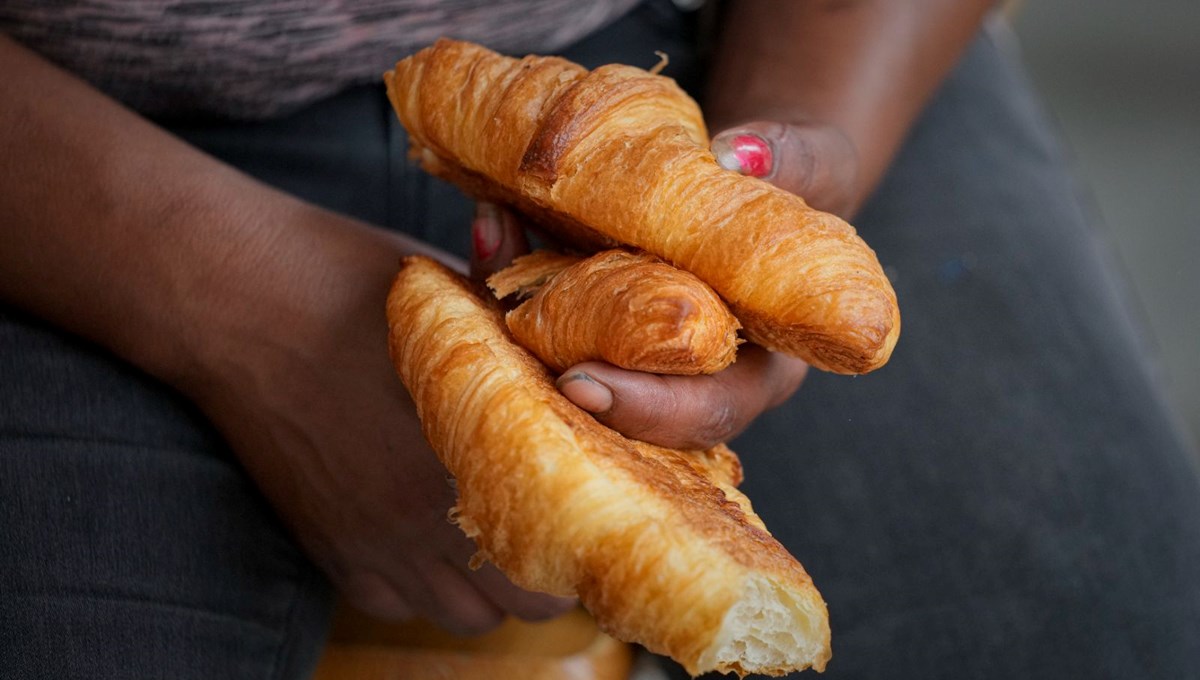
{"x": 617, "y": 156}
{"x": 656, "y": 543}
{"x": 630, "y": 309}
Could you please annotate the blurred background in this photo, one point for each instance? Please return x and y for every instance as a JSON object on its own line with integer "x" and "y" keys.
{"x": 1123, "y": 80}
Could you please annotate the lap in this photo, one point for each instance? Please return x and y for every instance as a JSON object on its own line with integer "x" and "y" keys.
{"x": 1009, "y": 496}
{"x": 132, "y": 541}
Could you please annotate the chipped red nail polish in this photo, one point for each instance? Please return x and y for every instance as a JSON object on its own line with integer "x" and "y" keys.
{"x": 747, "y": 153}
{"x": 485, "y": 231}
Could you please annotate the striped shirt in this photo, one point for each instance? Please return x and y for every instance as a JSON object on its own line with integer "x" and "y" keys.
{"x": 253, "y": 59}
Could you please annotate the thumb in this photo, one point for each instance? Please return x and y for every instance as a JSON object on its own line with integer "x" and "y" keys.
{"x": 684, "y": 411}
{"x": 816, "y": 162}
{"x": 496, "y": 238}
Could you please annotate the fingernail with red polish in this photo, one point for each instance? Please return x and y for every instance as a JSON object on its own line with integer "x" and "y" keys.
{"x": 744, "y": 152}
{"x": 585, "y": 392}
{"x": 485, "y": 231}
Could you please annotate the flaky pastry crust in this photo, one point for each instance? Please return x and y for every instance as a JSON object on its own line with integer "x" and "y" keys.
{"x": 656, "y": 543}
{"x": 618, "y": 155}
{"x": 629, "y": 309}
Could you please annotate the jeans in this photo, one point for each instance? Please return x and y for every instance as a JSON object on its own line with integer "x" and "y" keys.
{"x": 1009, "y": 497}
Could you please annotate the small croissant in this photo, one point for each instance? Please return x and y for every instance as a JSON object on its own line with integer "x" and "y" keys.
{"x": 619, "y": 156}
{"x": 630, "y": 309}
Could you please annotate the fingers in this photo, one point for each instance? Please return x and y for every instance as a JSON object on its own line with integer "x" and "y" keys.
{"x": 684, "y": 412}
{"x": 817, "y": 162}
{"x": 514, "y": 600}
{"x": 459, "y": 606}
{"x": 495, "y": 586}
{"x": 448, "y": 593}
{"x": 432, "y": 590}
{"x": 373, "y": 594}
{"x": 496, "y": 238}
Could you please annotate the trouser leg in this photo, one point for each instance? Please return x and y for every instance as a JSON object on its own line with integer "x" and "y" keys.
{"x": 132, "y": 545}
{"x": 1010, "y": 496}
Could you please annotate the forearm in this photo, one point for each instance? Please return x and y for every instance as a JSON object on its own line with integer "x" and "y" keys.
{"x": 119, "y": 232}
{"x": 866, "y": 67}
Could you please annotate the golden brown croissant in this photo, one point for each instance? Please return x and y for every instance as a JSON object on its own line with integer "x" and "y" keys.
{"x": 656, "y": 543}
{"x": 630, "y": 309}
{"x": 619, "y": 156}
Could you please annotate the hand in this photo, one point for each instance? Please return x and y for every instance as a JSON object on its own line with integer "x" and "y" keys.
{"x": 321, "y": 422}
{"x": 264, "y": 310}
{"x": 683, "y": 412}
{"x": 497, "y": 238}
{"x": 817, "y": 162}
{"x": 833, "y": 88}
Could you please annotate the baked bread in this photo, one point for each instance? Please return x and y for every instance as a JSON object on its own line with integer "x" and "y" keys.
{"x": 656, "y": 543}
{"x": 630, "y": 309}
{"x": 617, "y": 156}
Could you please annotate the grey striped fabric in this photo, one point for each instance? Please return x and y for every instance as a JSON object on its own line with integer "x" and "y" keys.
{"x": 252, "y": 59}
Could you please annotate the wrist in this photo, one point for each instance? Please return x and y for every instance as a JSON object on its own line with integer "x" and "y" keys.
{"x": 865, "y": 68}
{"x": 271, "y": 296}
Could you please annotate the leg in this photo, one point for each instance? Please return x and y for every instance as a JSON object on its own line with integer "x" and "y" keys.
{"x": 1009, "y": 497}
{"x": 132, "y": 543}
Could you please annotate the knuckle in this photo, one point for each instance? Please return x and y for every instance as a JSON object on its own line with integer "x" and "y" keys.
{"x": 643, "y": 412}
{"x": 458, "y": 604}
{"x": 718, "y": 423}
{"x": 472, "y": 620}
{"x": 678, "y": 412}
{"x": 540, "y": 607}
{"x": 802, "y": 160}
{"x": 477, "y": 624}
{"x": 372, "y": 594}
{"x": 512, "y": 599}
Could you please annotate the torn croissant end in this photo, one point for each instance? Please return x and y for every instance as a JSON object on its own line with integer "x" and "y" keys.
{"x": 619, "y": 156}
{"x": 629, "y": 309}
{"x": 656, "y": 543}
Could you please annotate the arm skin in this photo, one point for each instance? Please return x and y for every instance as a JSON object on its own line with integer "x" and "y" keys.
{"x": 98, "y": 199}
{"x": 267, "y": 312}
{"x": 833, "y": 86}
{"x": 851, "y": 76}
